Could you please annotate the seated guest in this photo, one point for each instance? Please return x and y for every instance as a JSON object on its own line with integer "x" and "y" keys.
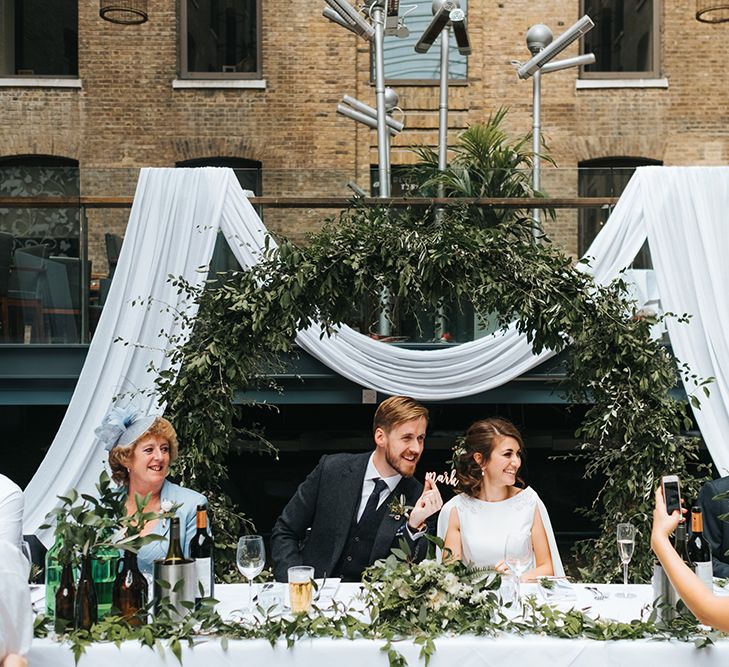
{"x": 492, "y": 502}
{"x": 716, "y": 531}
{"x": 11, "y": 511}
{"x": 16, "y": 615}
{"x": 708, "y": 608}
{"x": 346, "y": 501}
{"x": 141, "y": 448}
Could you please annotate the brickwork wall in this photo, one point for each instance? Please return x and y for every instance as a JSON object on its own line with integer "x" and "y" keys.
{"x": 127, "y": 115}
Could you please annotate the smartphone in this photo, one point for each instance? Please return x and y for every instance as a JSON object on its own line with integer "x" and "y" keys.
{"x": 671, "y": 493}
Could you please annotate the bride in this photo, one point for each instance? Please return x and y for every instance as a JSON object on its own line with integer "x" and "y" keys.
{"x": 492, "y": 503}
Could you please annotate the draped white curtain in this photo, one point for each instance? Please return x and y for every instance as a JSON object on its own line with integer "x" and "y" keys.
{"x": 171, "y": 232}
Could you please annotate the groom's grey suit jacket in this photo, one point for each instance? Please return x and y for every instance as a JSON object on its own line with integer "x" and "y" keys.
{"x": 326, "y": 501}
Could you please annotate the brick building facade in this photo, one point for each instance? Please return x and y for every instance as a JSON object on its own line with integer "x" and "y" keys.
{"x": 130, "y": 106}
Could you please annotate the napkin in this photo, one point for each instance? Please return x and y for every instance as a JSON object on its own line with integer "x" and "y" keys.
{"x": 556, "y": 589}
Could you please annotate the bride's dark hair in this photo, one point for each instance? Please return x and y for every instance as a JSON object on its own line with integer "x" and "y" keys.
{"x": 480, "y": 439}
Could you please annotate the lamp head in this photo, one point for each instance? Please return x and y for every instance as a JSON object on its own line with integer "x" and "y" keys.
{"x": 538, "y": 37}
{"x": 391, "y": 99}
{"x": 438, "y": 5}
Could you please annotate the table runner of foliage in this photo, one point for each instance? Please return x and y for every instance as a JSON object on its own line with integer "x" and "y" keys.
{"x": 399, "y": 601}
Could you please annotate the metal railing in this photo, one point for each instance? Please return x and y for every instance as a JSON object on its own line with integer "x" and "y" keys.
{"x": 85, "y": 204}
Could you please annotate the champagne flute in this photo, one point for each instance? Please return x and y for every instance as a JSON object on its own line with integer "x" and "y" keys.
{"x": 626, "y": 545}
{"x": 518, "y": 557}
{"x": 250, "y": 558}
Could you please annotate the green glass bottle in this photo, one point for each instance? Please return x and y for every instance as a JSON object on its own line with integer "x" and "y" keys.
{"x": 104, "y": 566}
{"x": 53, "y": 576}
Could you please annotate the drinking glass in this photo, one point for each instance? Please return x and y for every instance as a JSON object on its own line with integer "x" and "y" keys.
{"x": 301, "y": 578}
{"x": 519, "y": 557}
{"x": 626, "y": 545}
{"x": 250, "y": 558}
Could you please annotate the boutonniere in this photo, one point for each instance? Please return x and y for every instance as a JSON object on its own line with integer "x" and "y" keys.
{"x": 399, "y": 508}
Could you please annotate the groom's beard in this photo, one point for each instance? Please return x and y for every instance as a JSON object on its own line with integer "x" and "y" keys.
{"x": 403, "y": 466}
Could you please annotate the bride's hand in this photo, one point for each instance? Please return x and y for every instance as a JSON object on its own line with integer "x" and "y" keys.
{"x": 502, "y": 568}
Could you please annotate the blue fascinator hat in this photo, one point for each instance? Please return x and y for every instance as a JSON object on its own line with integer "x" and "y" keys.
{"x": 123, "y": 426}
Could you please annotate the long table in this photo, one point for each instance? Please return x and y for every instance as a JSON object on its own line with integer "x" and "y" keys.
{"x": 464, "y": 651}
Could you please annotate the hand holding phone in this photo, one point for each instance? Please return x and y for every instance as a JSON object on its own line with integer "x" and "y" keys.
{"x": 671, "y": 493}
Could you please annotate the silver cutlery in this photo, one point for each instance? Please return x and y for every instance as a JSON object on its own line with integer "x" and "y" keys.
{"x": 596, "y": 593}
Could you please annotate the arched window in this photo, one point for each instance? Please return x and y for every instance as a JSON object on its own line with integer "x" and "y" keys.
{"x": 249, "y": 176}
{"x": 606, "y": 177}
{"x": 41, "y": 176}
{"x": 248, "y": 172}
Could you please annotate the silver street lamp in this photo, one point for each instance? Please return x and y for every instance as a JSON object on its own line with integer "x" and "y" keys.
{"x": 543, "y": 49}
{"x": 446, "y": 14}
{"x": 385, "y": 19}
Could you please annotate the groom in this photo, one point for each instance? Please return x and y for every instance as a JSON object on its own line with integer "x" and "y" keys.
{"x": 346, "y": 501}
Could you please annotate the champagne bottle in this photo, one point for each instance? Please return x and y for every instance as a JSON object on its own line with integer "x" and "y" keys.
{"x": 86, "y": 606}
{"x": 681, "y": 543}
{"x": 130, "y": 590}
{"x": 65, "y": 599}
{"x": 174, "y": 550}
{"x": 201, "y": 549}
{"x": 699, "y": 550}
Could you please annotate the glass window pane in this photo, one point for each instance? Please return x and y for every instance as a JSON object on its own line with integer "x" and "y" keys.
{"x": 222, "y": 36}
{"x": 622, "y": 39}
{"x": 38, "y": 37}
{"x": 401, "y": 60}
{"x": 40, "y": 269}
{"x": 606, "y": 177}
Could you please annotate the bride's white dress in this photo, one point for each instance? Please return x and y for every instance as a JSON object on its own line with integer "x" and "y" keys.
{"x": 485, "y": 525}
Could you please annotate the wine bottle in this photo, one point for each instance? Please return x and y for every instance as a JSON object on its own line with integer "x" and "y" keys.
{"x": 699, "y": 550}
{"x": 130, "y": 590}
{"x": 65, "y": 599}
{"x": 201, "y": 549}
{"x": 174, "y": 549}
{"x": 85, "y": 608}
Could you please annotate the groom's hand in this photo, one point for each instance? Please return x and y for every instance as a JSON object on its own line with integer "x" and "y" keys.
{"x": 428, "y": 504}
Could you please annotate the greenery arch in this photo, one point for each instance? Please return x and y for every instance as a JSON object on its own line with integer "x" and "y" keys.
{"x": 631, "y": 431}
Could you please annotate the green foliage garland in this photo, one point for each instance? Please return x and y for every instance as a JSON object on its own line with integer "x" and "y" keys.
{"x": 401, "y": 600}
{"x": 631, "y": 432}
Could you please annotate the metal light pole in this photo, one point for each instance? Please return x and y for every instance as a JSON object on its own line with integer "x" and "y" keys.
{"x": 540, "y": 43}
{"x": 537, "y": 38}
{"x": 344, "y": 14}
{"x": 383, "y": 138}
{"x": 446, "y": 13}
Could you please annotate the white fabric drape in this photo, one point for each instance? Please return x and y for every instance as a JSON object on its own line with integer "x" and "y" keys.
{"x": 682, "y": 211}
{"x": 171, "y": 231}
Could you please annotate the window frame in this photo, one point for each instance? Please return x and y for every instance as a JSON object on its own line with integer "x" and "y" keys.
{"x": 423, "y": 82}
{"x": 654, "y": 73}
{"x": 184, "y": 72}
{"x": 606, "y": 163}
{"x": 37, "y": 79}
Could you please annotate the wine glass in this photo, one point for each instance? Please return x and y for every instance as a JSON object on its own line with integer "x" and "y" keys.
{"x": 626, "y": 545}
{"x": 250, "y": 558}
{"x": 518, "y": 557}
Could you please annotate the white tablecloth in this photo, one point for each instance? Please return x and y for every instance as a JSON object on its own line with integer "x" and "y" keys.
{"x": 465, "y": 651}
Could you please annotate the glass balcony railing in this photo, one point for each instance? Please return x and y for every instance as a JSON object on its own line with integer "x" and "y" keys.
{"x": 62, "y": 228}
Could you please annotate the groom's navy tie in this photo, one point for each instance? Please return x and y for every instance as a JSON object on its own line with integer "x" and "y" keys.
{"x": 374, "y": 499}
